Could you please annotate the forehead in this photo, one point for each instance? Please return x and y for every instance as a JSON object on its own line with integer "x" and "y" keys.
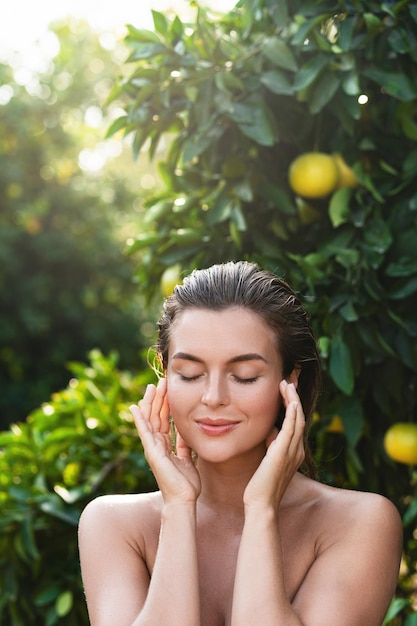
{"x": 228, "y": 332}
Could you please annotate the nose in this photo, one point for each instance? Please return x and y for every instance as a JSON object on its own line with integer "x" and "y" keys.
{"x": 215, "y": 392}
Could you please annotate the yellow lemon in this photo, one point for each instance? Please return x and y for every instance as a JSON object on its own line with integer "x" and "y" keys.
{"x": 400, "y": 443}
{"x": 169, "y": 279}
{"x": 347, "y": 176}
{"x": 313, "y": 175}
{"x": 336, "y": 425}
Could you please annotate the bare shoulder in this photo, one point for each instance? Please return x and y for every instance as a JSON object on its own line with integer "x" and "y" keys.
{"x": 123, "y": 504}
{"x": 131, "y": 515}
{"x": 356, "y": 536}
{"x": 349, "y": 505}
{"x": 118, "y": 536}
{"x": 344, "y": 514}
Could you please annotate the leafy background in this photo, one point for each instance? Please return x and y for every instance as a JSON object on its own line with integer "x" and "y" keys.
{"x": 233, "y": 100}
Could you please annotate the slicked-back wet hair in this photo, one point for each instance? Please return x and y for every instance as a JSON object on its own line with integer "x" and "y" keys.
{"x": 246, "y": 285}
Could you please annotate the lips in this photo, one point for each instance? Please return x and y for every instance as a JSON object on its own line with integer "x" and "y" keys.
{"x": 216, "y": 427}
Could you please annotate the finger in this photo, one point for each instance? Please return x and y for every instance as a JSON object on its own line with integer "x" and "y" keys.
{"x": 291, "y": 432}
{"x": 288, "y": 392}
{"x": 143, "y": 425}
{"x": 289, "y": 422}
{"x": 145, "y": 405}
{"x": 152, "y": 404}
{"x": 296, "y": 443}
{"x": 158, "y": 406}
{"x": 164, "y": 414}
{"x": 183, "y": 449}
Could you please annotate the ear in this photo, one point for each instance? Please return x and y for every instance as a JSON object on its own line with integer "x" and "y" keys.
{"x": 293, "y": 377}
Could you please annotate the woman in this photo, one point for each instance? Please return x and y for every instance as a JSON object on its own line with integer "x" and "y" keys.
{"x": 237, "y": 534}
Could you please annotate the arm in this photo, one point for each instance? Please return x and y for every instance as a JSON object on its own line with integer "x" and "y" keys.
{"x": 353, "y": 577}
{"x": 259, "y": 593}
{"x": 119, "y": 588}
{"x": 351, "y": 582}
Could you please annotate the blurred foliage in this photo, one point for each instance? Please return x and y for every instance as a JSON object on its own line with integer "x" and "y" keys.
{"x": 66, "y": 284}
{"x": 239, "y": 97}
{"x": 80, "y": 444}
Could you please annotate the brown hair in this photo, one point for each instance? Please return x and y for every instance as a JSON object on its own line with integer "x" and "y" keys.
{"x": 244, "y": 284}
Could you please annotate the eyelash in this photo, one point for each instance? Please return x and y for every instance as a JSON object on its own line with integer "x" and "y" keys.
{"x": 242, "y": 381}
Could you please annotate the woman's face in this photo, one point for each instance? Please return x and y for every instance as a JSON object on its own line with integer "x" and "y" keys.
{"x": 223, "y": 381}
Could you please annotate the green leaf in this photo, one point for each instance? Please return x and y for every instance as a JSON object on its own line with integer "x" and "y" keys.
{"x": 160, "y": 22}
{"x": 28, "y": 538}
{"x": 323, "y": 91}
{"x": 255, "y": 120}
{"x": 219, "y": 210}
{"x": 373, "y": 24}
{"x": 339, "y": 210}
{"x": 407, "y": 115}
{"x": 413, "y": 11}
{"x": 410, "y": 512}
{"x": 177, "y": 30}
{"x": 277, "y": 82}
{"x": 346, "y": 30}
{"x": 198, "y": 142}
{"x": 395, "y": 84}
{"x": 238, "y": 218}
{"x": 228, "y": 82}
{"x": 279, "y": 12}
{"x": 399, "y": 41}
{"x": 309, "y": 72}
{"x": 402, "y": 267}
{"x": 63, "y": 604}
{"x": 340, "y": 366}
{"x": 406, "y": 289}
{"x": 45, "y": 597}
{"x": 278, "y": 197}
{"x": 277, "y": 51}
{"x": 350, "y": 84}
{"x": 352, "y": 418}
{"x": 348, "y": 312}
{"x": 411, "y": 620}
{"x": 378, "y": 235}
{"x": 147, "y": 51}
{"x": 117, "y": 125}
{"x": 141, "y": 35}
{"x": 55, "y": 510}
{"x": 396, "y": 606}
{"x": 372, "y": 338}
{"x": 303, "y": 31}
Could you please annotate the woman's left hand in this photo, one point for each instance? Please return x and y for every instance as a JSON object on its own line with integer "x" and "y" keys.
{"x": 284, "y": 455}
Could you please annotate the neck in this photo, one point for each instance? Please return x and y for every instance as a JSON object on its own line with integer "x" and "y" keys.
{"x": 223, "y": 483}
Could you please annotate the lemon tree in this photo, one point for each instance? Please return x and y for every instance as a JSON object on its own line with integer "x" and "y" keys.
{"x": 238, "y": 98}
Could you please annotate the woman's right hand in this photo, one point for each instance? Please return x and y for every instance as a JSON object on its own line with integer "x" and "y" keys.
{"x": 175, "y": 473}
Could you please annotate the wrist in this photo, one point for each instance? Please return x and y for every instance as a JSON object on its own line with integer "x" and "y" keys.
{"x": 261, "y": 512}
{"x": 178, "y": 508}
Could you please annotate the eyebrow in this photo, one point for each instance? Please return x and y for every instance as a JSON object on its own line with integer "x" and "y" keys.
{"x": 250, "y": 356}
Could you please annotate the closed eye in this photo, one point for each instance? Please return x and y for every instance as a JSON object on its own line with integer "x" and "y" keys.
{"x": 189, "y": 378}
{"x": 246, "y": 381}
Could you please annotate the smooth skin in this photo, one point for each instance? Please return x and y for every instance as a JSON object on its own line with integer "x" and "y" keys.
{"x": 235, "y": 535}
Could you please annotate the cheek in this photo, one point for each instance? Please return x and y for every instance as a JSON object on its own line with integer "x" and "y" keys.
{"x": 177, "y": 398}
{"x": 270, "y": 405}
